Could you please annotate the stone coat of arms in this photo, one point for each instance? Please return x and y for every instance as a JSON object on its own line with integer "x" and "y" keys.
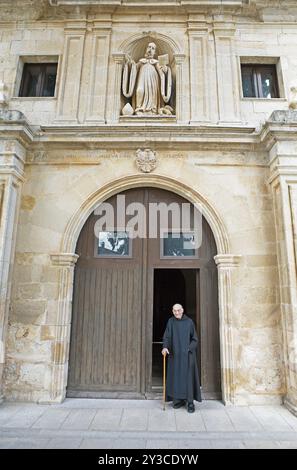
{"x": 146, "y": 160}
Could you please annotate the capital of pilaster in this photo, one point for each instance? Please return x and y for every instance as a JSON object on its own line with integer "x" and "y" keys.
{"x": 223, "y": 26}
{"x": 119, "y": 57}
{"x": 283, "y": 159}
{"x": 12, "y": 159}
{"x": 179, "y": 58}
{"x": 75, "y": 26}
{"x": 227, "y": 260}
{"x": 64, "y": 259}
{"x": 99, "y": 26}
{"x": 197, "y": 24}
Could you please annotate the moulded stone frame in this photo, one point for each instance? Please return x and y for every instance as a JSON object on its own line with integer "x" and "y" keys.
{"x": 66, "y": 259}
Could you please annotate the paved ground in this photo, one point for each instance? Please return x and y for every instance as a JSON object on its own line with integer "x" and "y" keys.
{"x": 133, "y": 424}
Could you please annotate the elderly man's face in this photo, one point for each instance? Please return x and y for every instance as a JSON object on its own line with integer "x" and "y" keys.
{"x": 151, "y": 49}
{"x": 177, "y": 311}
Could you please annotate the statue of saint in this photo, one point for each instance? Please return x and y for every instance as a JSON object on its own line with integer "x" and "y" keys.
{"x": 152, "y": 79}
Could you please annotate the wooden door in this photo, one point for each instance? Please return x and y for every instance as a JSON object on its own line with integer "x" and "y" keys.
{"x": 112, "y": 325}
{"x": 206, "y": 317}
{"x": 105, "y": 349}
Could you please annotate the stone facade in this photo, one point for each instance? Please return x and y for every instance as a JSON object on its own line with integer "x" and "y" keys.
{"x": 236, "y": 156}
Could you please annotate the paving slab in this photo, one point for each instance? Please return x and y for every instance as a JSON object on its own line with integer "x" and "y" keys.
{"x": 270, "y": 418}
{"x": 160, "y": 420}
{"x": 96, "y": 444}
{"x": 31, "y": 443}
{"x": 79, "y": 419}
{"x": 52, "y": 419}
{"x": 64, "y": 443}
{"x": 143, "y": 424}
{"x": 24, "y": 417}
{"x": 244, "y": 419}
{"x": 107, "y": 419}
{"x": 8, "y": 442}
{"x": 134, "y": 420}
{"x": 227, "y": 444}
{"x": 178, "y": 444}
{"x": 217, "y": 420}
{"x": 261, "y": 444}
{"x": 190, "y": 422}
{"x": 287, "y": 444}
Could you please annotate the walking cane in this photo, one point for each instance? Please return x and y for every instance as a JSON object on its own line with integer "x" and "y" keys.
{"x": 164, "y": 380}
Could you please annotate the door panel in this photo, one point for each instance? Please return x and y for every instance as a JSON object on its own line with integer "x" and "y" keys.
{"x": 104, "y": 354}
{"x": 105, "y": 347}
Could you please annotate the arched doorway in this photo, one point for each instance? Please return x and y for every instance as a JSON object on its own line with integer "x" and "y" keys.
{"x": 123, "y": 293}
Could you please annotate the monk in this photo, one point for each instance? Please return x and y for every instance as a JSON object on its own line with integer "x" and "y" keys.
{"x": 180, "y": 343}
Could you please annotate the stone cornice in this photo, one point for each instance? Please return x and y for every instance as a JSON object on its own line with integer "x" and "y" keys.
{"x": 148, "y": 6}
{"x": 261, "y": 11}
{"x": 132, "y": 132}
{"x": 150, "y": 3}
{"x": 282, "y": 125}
{"x": 24, "y": 134}
{"x": 13, "y": 125}
{"x": 264, "y": 11}
{"x": 141, "y": 134}
{"x": 288, "y": 173}
{"x": 14, "y": 172}
{"x": 150, "y": 128}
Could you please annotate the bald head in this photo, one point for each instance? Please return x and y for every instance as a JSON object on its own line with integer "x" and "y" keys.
{"x": 177, "y": 311}
{"x": 151, "y": 50}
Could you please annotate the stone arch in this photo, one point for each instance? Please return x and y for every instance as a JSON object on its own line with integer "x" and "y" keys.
{"x": 65, "y": 261}
{"x": 166, "y": 43}
{"x": 77, "y": 221}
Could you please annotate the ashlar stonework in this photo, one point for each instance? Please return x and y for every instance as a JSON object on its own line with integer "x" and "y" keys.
{"x": 60, "y": 156}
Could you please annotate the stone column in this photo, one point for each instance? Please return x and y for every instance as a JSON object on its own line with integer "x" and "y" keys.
{"x": 71, "y": 72}
{"x": 60, "y": 329}
{"x": 283, "y": 183}
{"x": 12, "y": 158}
{"x": 180, "y": 102}
{"x": 200, "y": 72}
{"x": 226, "y": 263}
{"x": 227, "y": 71}
{"x": 118, "y": 58}
{"x": 95, "y": 76}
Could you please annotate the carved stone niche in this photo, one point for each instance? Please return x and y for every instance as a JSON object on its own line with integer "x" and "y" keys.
{"x": 148, "y": 79}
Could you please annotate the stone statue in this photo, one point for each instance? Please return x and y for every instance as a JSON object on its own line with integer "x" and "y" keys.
{"x": 148, "y": 82}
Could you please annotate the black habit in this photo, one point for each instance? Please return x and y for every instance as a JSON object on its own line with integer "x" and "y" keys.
{"x": 180, "y": 338}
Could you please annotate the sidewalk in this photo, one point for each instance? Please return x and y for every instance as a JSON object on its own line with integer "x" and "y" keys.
{"x": 133, "y": 424}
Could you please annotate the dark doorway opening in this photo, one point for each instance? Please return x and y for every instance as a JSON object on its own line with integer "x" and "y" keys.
{"x": 171, "y": 286}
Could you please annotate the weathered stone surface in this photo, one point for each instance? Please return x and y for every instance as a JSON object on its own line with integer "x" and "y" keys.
{"x": 28, "y": 202}
{"x": 289, "y": 116}
{"x": 216, "y": 150}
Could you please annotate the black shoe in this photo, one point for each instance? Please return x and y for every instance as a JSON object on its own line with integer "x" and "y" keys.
{"x": 191, "y": 407}
{"x": 179, "y": 404}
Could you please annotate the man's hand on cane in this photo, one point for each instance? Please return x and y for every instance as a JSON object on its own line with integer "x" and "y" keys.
{"x": 165, "y": 351}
